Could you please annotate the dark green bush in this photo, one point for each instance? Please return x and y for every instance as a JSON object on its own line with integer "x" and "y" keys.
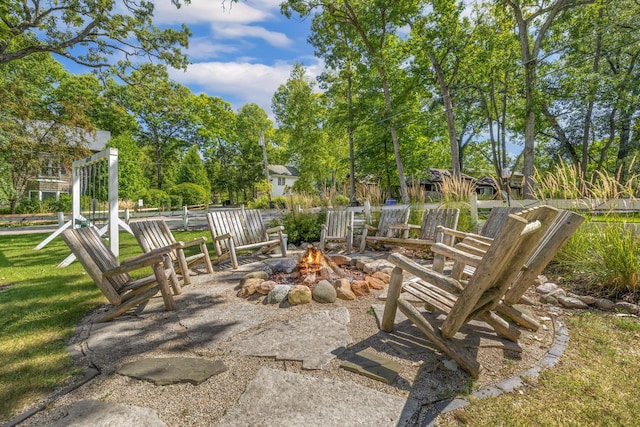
{"x": 192, "y": 194}
{"x": 155, "y": 198}
{"x": 63, "y": 204}
{"x": 302, "y": 227}
{"x": 29, "y": 206}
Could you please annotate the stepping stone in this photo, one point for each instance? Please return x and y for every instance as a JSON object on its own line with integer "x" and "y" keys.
{"x": 97, "y": 413}
{"x": 372, "y": 365}
{"x": 276, "y": 398}
{"x": 173, "y": 370}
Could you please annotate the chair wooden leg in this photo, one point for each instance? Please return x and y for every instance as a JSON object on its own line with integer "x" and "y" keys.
{"x": 207, "y": 258}
{"x": 184, "y": 267}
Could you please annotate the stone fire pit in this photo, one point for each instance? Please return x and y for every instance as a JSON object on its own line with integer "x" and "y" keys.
{"x": 316, "y": 276}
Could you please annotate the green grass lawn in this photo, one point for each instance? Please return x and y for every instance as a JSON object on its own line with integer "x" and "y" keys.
{"x": 596, "y": 381}
{"x": 40, "y": 306}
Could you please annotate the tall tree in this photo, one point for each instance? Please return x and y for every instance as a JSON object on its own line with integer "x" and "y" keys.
{"x": 376, "y": 25}
{"x": 163, "y": 112}
{"x": 533, "y": 21}
{"x": 192, "y": 169}
{"x": 252, "y": 126}
{"x": 89, "y": 32}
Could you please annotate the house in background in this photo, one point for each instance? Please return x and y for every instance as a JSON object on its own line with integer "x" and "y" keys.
{"x": 282, "y": 179}
{"x": 55, "y": 179}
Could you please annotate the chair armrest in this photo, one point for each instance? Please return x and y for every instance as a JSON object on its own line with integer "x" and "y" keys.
{"x": 223, "y": 237}
{"x": 145, "y": 260}
{"x": 276, "y": 229}
{"x": 456, "y": 254}
{"x": 438, "y": 279}
{"x": 404, "y": 227}
{"x": 193, "y": 242}
{"x": 370, "y": 227}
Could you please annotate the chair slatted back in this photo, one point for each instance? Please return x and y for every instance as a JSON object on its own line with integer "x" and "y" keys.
{"x": 338, "y": 222}
{"x": 561, "y": 229}
{"x": 392, "y": 215}
{"x": 94, "y": 255}
{"x": 246, "y": 227}
{"x": 153, "y": 234}
{"x": 496, "y": 220}
{"x": 432, "y": 218}
{"x": 500, "y": 265}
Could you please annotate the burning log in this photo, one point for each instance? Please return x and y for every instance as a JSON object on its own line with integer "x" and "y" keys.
{"x": 314, "y": 263}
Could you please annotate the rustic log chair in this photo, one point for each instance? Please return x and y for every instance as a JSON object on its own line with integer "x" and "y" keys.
{"x": 338, "y": 227}
{"x": 428, "y": 230}
{"x": 234, "y": 230}
{"x": 562, "y": 227}
{"x": 154, "y": 234}
{"x": 112, "y": 277}
{"x": 389, "y": 215}
{"x": 464, "y": 302}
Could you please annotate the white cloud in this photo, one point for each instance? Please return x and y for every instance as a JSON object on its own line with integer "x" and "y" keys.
{"x": 207, "y": 11}
{"x": 239, "y": 31}
{"x": 243, "y": 81}
{"x": 203, "y": 48}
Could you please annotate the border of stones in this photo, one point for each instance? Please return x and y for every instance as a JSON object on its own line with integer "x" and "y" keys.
{"x": 509, "y": 385}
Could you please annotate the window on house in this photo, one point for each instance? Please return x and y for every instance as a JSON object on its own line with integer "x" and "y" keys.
{"x": 281, "y": 182}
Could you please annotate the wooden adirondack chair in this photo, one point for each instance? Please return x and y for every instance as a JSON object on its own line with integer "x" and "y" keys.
{"x": 112, "y": 277}
{"x": 466, "y": 258}
{"x": 388, "y": 216}
{"x": 463, "y": 302}
{"x": 239, "y": 229}
{"x": 154, "y": 234}
{"x": 337, "y": 228}
{"x": 428, "y": 234}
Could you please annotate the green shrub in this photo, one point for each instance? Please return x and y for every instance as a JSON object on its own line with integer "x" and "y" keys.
{"x": 190, "y": 193}
{"x": 29, "y": 206}
{"x": 262, "y": 202}
{"x": 155, "y": 198}
{"x": 63, "y": 204}
{"x": 302, "y": 227}
{"x": 341, "y": 200}
{"x": 603, "y": 256}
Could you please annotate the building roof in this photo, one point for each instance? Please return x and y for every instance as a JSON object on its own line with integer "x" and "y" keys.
{"x": 280, "y": 170}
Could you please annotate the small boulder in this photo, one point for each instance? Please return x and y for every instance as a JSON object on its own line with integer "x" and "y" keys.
{"x": 324, "y": 292}
{"x": 360, "y": 288}
{"x": 603, "y": 304}
{"x": 374, "y": 283}
{"x": 278, "y": 294}
{"x": 382, "y": 276}
{"x": 341, "y": 259}
{"x": 254, "y": 275}
{"x": 546, "y": 288}
{"x": 570, "y": 302}
{"x": 626, "y": 307}
{"x": 299, "y": 294}
{"x": 265, "y": 287}
{"x": 249, "y": 287}
{"x": 343, "y": 289}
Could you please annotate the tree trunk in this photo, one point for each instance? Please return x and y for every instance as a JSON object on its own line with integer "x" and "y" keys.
{"x": 448, "y": 110}
{"x": 394, "y": 138}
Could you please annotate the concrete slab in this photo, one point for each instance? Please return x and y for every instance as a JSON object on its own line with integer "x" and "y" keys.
{"x": 96, "y": 413}
{"x": 314, "y": 338}
{"x": 286, "y": 399}
{"x": 173, "y": 370}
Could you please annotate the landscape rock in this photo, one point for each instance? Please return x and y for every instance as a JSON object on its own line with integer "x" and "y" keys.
{"x": 558, "y": 293}
{"x": 546, "y": 288}
{"x": 254, "y": 275}
{"x": 278, "y": 294}
{"x": 571, "y": 302}
{"x": 626, "y": 307}
{"x": 382, "y": 276}
{"x": 374, "y": 283}
{"x": 587, "y": 299}
{"x": 603, "y": 304}
{"x": 343, "y": 290}
{"x": 299, "y": 294}
{"x": 249, "y": 286}
{"x": 341, "y": 259}
{"x": 265, "y": 287}
{"x": 324, "y": 292}
{"x": 548, "y": 299}
{"x": 360, "y": 288}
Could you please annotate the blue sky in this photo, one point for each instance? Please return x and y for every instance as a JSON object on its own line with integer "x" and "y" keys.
{"x": 239, "y": 52}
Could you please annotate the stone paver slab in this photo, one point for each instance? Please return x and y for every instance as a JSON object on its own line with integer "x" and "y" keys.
{"x": 285, "y": 399}
{"x": 96, "y": 413}
{"x": 315, "y": 339}
{"x": 372, "y": 365}
{"x": 173, "y": 370}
